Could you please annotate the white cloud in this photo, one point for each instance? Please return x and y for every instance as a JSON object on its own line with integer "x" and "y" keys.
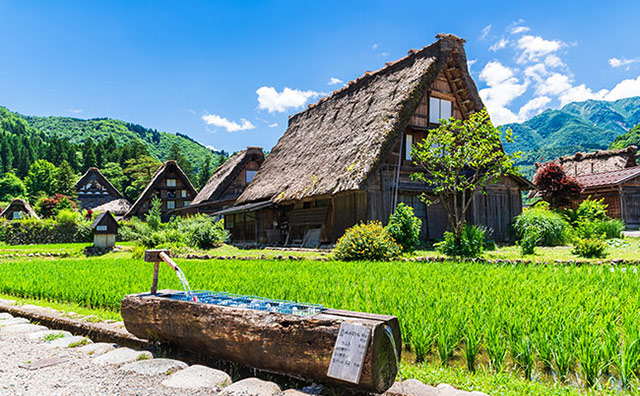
{"x": 334, "y": 81}
{"x": 553, "y": 61}
{"x": 519, "y": 29}
{"x": 555, "y": 84}
{"x": 485, "y": 31}
{"x": 275, "y": 124}
{"x": 625, "y": 89}
{"x": 76, "y": 111}
{"x": 534, "y": 47}
{"x": 471, "y": 62}
{"x": 533, "y": 107}
{"x": 536, "y": 72}
{"x": 230, "y": 126}
{"x": 272, "y": 100}
{"x": 615, "y": 62}
{"x": 210, "y": 147}
{"x": 500, "y": 44}
{"x": 503, "y": 89}
{"x": 384, "y": 54}
{"x": 374, "y": 46}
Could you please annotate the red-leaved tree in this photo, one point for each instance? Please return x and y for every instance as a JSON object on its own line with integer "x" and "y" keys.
{"x": 556, "y": 186}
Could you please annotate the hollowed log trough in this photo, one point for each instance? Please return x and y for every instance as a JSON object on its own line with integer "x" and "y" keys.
{"x": 285, "y": 344}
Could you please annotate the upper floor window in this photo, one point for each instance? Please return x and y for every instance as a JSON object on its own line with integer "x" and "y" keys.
{"x": 171, "y": 182}
{"x": 408, "y": 144}
{"x": 183, "y": 194}
{"x": 250, "y": 174}
{"x": 439, "y": 109}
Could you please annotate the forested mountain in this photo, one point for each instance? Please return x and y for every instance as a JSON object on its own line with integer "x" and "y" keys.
{"x": 578, "y": 126}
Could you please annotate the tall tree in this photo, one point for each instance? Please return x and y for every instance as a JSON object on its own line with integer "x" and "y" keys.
{"x": 113, "y": 171}
{"x": 11, "y": 187}
{"x": 184, "y": 164}
{"x": 139, "y": 171}
{"x": 41, "y": 179}
{"x": 65, "y": 180}
{"x": 205, "y": 172}
{"x": 89, "y": 154}
{"x": 459, "y": 158}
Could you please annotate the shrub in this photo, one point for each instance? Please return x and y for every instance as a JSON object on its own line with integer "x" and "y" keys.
{"x": 470, "y": 243}
{"x": 49, "y": 207}
{"x": 210, "y": 235}
{"x": 607, "y": 229}
{"x": 529, "y": 241}
{"x": 404, "y": 227}
{"x": 588, "y": 210}
{"x": 368, "y": 241}
{"x": 555, "y": 186}
{"x": 590, "y": 248}
{"x": 154, "y": 219}
{"x": 66, "y": 216}
{"x": 552, "y": 229}
{"x": 42, "y": 231}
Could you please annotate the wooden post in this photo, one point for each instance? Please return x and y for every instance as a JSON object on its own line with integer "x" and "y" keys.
{"x": 154, "y": 284}
{"x": 155, "y": 256}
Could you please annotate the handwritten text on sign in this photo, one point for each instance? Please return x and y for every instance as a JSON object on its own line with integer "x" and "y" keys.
{"x": 348, "y": 353}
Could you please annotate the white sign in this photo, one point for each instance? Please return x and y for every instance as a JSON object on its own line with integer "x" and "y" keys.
{"x": 348, "y": 353}
{"x": 101, "y": 228}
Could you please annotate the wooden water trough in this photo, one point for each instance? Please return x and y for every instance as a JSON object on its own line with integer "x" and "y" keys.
{"x": 344, "y": 348}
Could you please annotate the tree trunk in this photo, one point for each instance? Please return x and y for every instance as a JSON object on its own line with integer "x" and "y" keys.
{"x": 281, "y": 343}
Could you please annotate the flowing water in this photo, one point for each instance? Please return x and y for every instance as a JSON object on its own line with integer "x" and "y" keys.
{"x": 389, "y": 333}
{"x": 185, "y": 284}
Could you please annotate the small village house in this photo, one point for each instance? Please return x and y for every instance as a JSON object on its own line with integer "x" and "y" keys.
{"x": 105, "y": 229}
{"x": 609, "y": 174}
{"x": 96, "y": 192}
{"x": 169, "y": 184}
{"x": 347, "y": 158}
{"x": 226, "y": 183}
{"x": 18, "y": 209}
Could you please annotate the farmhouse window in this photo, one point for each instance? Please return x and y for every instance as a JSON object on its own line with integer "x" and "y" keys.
{"x": 187, "y": 203}
{"x": 171, "y": 204}
{"x": 250, "y": 174}
{"x": 184, "y": 193}
{"x": 439, "y": 109}
{"x": 17, "y": 215}
{"x": 408, "y": 144}
{"x": 229, "y": 222}
{"x": 171, "y": 182}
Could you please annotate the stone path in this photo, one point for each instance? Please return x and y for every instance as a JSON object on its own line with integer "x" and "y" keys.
{"x": 38, "y": 361}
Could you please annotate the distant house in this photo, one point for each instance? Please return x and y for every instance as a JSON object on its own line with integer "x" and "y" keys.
{"x": 18, "y": 209}
{"x": 609, "y": 174}
{"x": 226, "y": 183}
{"x": 347, "y": 158}
{"x": 169, "y": 184}
{"x": 95, "y": 192}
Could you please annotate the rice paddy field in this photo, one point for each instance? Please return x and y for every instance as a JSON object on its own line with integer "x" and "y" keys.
{"x": 502, "y": 329}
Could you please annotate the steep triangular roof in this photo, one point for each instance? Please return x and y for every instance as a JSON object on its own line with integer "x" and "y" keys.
{"x": 337, "y": 143}
{"x": 19, "y": 204}
{"x": 226, "y": 173}
{"x": 157, "y": 176}
{"x": 95, "y": 173}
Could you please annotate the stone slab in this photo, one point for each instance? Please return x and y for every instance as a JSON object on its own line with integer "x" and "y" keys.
{"x": 5, "y": 316}
{"x": 251, "y": 387}
{"x": 38, "y": 364}
{"x": 13, "y": 321}
{"x": 197, "y": 376}
{"x": 23, "y": 328}
{"x": 154, "y": 366}
{"x": 97, "y": 348}
{"x": 67, "y": 342}
{"x": 411, "y": 387}
{"x": 122, "y": 356}
{"x": 40, "y": 335}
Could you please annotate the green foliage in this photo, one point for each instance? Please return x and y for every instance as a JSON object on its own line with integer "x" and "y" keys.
{"x": 368, "y": 241}
{"x": 11, "y": 187}
{"x": 590, "y": 248}
{"x": 41, "y": 179}
{"x": 452, "y": 171}
{"x": 205, "y": 173}
{"x": 550, "y": 227}
{"x": 65, "y": 180}
{"x": 529, "y": 241}
{"x": 469, "y": 244}
{"x": 404, "y": 227}
{"x": 114, "y": 173}
{"x": 176, "y": 154}
{"x": 209, "y": 234}
{"x": 69, "y": 228}
{"x": 588, "y": 210}
{"x": 49, "y": 207}
{"x": 629, "y": 138}
{"x": 140, "y": 171}
{"x": 607, "y": 229}
{"x": 153, "y": 217}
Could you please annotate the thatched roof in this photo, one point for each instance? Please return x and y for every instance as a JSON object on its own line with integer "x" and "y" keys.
{"x": 600, "y": 161}
{"x": 118, "y": 207}
{"x": 95, "y": 174}
{"x": 337, "y": 143}
{"x": 226, "y": 173}
{"x": 19, "y": 205}
{"x": 170, "y": 165}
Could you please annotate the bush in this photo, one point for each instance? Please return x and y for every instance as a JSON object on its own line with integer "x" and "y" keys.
{"x": 404, "y": 227}
{"x": 588, "y": 210}
{"x": 590, "y": 248}
{"x": 210, "y": 235}
{"x": 42, "y": 231}
{"x": 470, "y": 243}
{"x": 552, "y": 229}
{"x": 49, "y": 207}
{"x": 369, "y": 241}
{"x": 607, "y": 229}
{"x": 529, "y": 241}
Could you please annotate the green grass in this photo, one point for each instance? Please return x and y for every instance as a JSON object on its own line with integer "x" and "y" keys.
{"x": 73, "y": 249}
{"x": 530, "y": 306}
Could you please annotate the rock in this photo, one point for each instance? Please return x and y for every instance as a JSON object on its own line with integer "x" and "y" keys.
{"x": 68, "y": 342}
{"x": 13, "y": 321}
{"x": 154, "y": 366}
{"x": 411, "y": 387}
{"x": 294, "y": 392}
{"x": 96, "y": 349}
{"x": 5, "y": 316}
{"x": 122, "y": 356}
{"x": 251, "y": 387}
{"x": 22, "y": 328}
{"x": 197, "y": 376}
{"x": 40, "y": 335}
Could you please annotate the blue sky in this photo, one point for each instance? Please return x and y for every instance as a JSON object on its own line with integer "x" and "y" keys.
{"x": 230, "y": 73}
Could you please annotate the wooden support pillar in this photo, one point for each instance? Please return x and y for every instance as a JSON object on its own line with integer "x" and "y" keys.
{"x": 154, "y": 284}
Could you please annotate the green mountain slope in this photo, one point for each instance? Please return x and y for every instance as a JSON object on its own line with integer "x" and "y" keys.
{"x": 578, "y": 126}
{"x": 78, "y": 131}
{"x": 631, "y": 138}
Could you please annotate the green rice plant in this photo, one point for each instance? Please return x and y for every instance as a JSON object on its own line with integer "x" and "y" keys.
{"x": 563, "y": 355}
{"x": 542, "y": 340}
{"x": 496, "y": 344}
{"x": 523, "y": 351}
{"x": 472, "y": 344}
{"x": 591, "y": 357}
{"x": 448, "y": 339}
{"x": 423, "y": 335}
